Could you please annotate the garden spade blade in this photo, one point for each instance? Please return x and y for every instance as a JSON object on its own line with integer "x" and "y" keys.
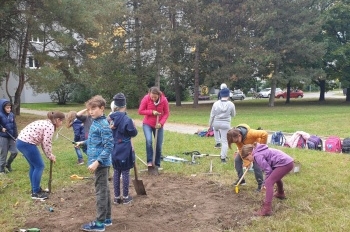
{"x": 138, "y": 184}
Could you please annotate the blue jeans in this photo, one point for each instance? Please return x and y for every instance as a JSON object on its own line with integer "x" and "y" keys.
{"x": 147, "y": 130}
{"x": 79, "y": 154}
{"x": 36, "y": 163}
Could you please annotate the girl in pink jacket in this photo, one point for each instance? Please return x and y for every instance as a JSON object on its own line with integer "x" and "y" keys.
{"x": 154, "y": 105}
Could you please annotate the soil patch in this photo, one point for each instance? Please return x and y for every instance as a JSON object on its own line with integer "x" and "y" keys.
{"x": 173, "y": 203}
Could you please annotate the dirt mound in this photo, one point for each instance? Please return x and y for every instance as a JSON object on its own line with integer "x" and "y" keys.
{"x": 172, "y": 203}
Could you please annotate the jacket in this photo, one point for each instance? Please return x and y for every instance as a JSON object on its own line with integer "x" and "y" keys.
{"x": 293, "y": 140}
{"x": 269, "y": 158}
{"x": 147, "y": 106}
{"x": 78, "y": 129}
{"x": 123, "y": 156}
{"x": 222, "y": 112}
{"x": 99, "y": 142}
{"x": 7, "y": 120}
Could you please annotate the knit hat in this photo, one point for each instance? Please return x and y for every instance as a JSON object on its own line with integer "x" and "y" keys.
{"x": 223, "y": 85}
{"x": 119, "y": 100}
{"x": 225, "y": 92}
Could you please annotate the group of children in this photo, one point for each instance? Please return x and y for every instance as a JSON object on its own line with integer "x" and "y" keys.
{"x": 107, "y": 142}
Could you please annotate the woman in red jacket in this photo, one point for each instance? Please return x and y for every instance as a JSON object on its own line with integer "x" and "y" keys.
{"x": 152, "y": 105}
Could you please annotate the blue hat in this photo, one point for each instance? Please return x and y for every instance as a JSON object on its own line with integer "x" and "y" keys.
{"x": 225, "y": 92}
{"x": 119, "y": 100}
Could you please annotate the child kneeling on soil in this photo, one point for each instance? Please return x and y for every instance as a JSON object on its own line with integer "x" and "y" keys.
{"x": 123, "y": 155}
{"x": 99, "y": 148}
{"x": 276, "y": 164}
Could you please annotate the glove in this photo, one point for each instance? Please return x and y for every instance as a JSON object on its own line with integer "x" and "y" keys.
{"x": 154, "y": 112}
{"x": 158, "y": 126}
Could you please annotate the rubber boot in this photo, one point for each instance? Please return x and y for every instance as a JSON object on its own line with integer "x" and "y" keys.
{"x": 266, "y": 210}
{"x": 280, "y": 195}
{"x": 10, "y": 160}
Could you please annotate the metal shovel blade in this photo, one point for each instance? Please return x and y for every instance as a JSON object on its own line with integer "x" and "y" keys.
{"x": 153, "y": 170}
{"x": 138, "y": 184}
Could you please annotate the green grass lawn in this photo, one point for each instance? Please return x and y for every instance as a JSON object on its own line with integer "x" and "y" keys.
{"x": 318, "y": 195}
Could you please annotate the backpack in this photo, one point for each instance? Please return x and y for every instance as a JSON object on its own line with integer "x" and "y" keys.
{"x": 301, "y": 142}
{"x": 278, "y": 138}
{"x": 345, "y": 147}
{"x": 210, "y": 132}
{"x": 333, "y": 144}
{"x": 315, "y": 143}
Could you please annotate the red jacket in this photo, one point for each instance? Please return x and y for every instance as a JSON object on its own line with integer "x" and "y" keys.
{"x": 147, "y": 106}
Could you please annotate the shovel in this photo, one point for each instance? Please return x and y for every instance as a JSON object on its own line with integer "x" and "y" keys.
{"x": 50, "y": 177}
{"x": 138, "y": 184}
{"x": 240, "y": 180}
{"x": 76, "y": 177}
{"x": 153, "y": 170}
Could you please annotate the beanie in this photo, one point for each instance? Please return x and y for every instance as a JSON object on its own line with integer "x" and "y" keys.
{"x": 225, "y": 92}
{"x": 119, "y": 100}
{"x": 223, "y": 85}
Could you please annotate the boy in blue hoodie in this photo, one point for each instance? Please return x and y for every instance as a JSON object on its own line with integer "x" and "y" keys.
{"x": 99, "y": 148}
{"x": 8, "y": 134}
{"x": 123, "y": 155}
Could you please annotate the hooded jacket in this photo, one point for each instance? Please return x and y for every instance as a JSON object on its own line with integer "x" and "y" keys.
{"x": 269, "y": 158}
{"x": 99, "y": 142}
{"x": 222, "y": 111}
{"x": 7, "y": 121}
{"x": 147, "y": 106}
{"x": 78, "y": 129}
{"x": 123, "y": 130}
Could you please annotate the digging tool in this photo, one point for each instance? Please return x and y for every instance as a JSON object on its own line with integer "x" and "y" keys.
{"x": 153, "y": 170}
{"x": 240, "y": 180}
{"x": 66, "y": 138}
{"x": 211, "y": 169}
{"x": 141, "y": 160}
{"x": 11, "y": 136}
{"x": 138, "y": 184}
{"x": 50, "y": 177}
{"x": 76, "y": 177}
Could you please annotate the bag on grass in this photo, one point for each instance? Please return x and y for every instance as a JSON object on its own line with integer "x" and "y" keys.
{"x": 297, "y": 140}
{"x": 315, "y": 143}
{"x": 333, "y": 144}
{"x": 278, "y": 138}
{"x": 210, "y": 132}
{"x": 345, "y": 147}
{"x": 301, "y": 142}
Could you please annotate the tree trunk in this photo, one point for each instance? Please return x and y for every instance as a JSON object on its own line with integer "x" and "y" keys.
{"x": 322, "y": 90}
{"x": 196, "y": 74}
{"x": 288, "y": 93}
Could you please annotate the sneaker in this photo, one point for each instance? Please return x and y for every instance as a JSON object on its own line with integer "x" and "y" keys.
{"x": 242, "y": 182}
{"x": 80, "y": 162}
{"x": 108, "y": 222}
{"x": 258, "y": 189}
{"x": 218, "y": 145}
{"x": 127, "y": 200}
{"x": 40, "y": 196}
{"x": 117, "y": 200}
{"x": 94, "y": 226}
{"x": 223, "y": 161}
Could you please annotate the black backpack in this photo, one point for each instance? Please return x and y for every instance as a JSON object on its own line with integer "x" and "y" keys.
{"x": 345, "y": 148}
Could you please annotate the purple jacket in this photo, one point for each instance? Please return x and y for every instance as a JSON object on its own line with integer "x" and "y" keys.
{"x": 269, "y": 158}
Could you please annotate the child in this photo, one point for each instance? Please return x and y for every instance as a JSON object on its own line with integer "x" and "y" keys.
{"x": 8, "y": 131}
{"x": 240, "y": 135}
{"x": 123, "y": 155}
{"x": 276, "y": 164}
{"x": 99, "y": 148}
{"x": 35, "y": 133}
{"x": 221, "y": 114}
{"x": 79, "y": 134}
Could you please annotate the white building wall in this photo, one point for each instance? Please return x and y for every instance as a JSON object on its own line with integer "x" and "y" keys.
{"x": 28, "y": 94}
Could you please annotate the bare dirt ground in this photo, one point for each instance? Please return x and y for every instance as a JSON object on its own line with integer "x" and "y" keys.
{"x": 172, "y": 203}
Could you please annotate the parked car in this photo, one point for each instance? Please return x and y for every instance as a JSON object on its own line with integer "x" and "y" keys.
{"x": 267, "y": 92}
{"x": 237, "y": 95}
{"x": 293, "y": 94}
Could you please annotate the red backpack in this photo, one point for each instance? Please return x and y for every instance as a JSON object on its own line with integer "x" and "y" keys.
{"x": 333, "y": 144}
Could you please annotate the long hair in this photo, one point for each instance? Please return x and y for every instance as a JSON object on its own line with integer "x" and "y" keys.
{"x": 71, "y": 116}
{"x": 232, "y": 134}
{"x": 54, "y": 115}
{"x": 247, "y": 149}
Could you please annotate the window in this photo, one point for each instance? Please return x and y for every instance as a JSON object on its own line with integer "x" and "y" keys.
{"x": 33, "y": 63}
{"x": 36, "y": 40}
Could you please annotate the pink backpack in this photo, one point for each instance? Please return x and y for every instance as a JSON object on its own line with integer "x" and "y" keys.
{"x": 333, "y": 144}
